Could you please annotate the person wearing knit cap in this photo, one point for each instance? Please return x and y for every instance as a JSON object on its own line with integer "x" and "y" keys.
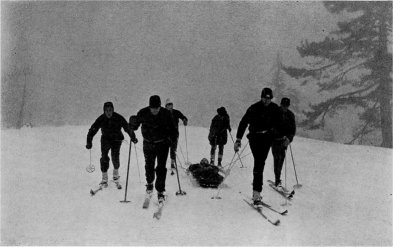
{"x": 175, "y": 115}
{"x": 261, "y": 119}
{"x": 286, "y": 130}
{"x": 218, "y": 134}
{"x": 110, "y": 124}
{"x": 158, "y": 133}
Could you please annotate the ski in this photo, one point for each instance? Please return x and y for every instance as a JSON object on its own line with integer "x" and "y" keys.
{"x": 146, "y": 202}
{"x": 158, "y": 212}
{"x": 288, "y": 195}
{"x": 274, "y": 210}
{"x": 259, "y": 210}
{"x": 117, "y": 183}
{"x": 93, "y": 192}
{"x": 268, "y": 206}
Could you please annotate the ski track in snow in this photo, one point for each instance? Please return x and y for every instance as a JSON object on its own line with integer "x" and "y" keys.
{"x": 346, "y": 198}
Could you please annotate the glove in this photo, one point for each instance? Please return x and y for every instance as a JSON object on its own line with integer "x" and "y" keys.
{"x": 185, "y": 121}
{"x": 237, "y": 145}
{"x": 89, "y": 145}
{"x": 286, "y": 141}
{"x": 134, "y": 140}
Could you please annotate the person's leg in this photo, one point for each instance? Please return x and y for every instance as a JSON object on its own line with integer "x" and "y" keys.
{"x": 162, "y": 156}
{"x": 220, "y": 154}
{"x": 260, "y": 150}
{"x": 104, "y": 162}
{"x": 278, "y": 151}
{"x": 173, "y": 149}
{"x": 150, "y": 157}
{"x": 212, "y": 154}
{"x": 115, "y": 154}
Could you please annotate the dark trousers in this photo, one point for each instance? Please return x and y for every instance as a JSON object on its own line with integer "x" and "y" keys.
{"x": 114, "y": 146}
{"x": 173, "y": 149}
{"x": 260, "y": 146}
{"x": 153, "y": 151}
{"x": 220, "y": 151}
{"x": 278, "y": 151}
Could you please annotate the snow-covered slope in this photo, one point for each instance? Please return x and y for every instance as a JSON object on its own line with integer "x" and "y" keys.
{"x": 346, "y": 198}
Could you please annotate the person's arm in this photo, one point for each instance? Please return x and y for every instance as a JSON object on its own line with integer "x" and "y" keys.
{"x": 244, "y": 122}
{"x": 292, "y": 126}
{"x": 92, "y": 131}
{"x": 128, "y": 129}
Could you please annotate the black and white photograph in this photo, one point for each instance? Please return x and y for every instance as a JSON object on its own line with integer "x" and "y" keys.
{"x": 196, "y": 123}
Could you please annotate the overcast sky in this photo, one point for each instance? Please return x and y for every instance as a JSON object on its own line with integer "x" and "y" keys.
{"x": 203, "y": 55}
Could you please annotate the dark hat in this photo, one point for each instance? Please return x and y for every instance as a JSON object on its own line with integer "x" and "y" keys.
{"x": 154, "y": 101}
{"x": 285, "y": 102}
{"x": 108, "y": 104}
{"x": 222, "y": 111}
{"x": 267, "y": 93}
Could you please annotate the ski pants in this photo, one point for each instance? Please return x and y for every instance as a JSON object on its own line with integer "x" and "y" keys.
{"x": 173, "y": 148}
{"x": 260, "y": 146}
{"x": 213, "y": 152}
{"x": 153, "y": 151}
{"x": 278, "y": 151}
{"x": 114, "y": 146}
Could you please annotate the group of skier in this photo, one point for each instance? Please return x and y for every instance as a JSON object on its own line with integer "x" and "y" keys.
{"x": 269, "y": 125}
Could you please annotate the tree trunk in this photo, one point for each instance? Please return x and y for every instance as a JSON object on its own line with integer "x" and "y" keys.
{"x": 384, "y": 69}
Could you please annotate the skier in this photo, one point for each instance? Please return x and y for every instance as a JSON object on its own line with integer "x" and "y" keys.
{"x": 286, "y": 130}
{"x": 261, "y": 118}
{"x": 218, "y": 134}
{"x": 110, "y": 124}
{"x": 176, "y": 115}
{"x": 158, "y": 133}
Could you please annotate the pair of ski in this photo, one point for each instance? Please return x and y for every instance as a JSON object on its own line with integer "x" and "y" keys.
{"x": 157, "y": 214}
{"x": 101, "y": 187}
{"x": 262, "y": 205}
{"x": 284, "y": 192}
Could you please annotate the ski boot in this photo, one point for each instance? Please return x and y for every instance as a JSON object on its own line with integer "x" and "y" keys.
{"x": 161, "y": 197}
{"x": 104, "y": 181}
{"x": 116, "y": 175}
{"x": 149, "y": 189}
{"x": 257, "y": 199}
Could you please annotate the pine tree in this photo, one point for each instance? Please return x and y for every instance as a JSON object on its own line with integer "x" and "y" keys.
{"x": 353, "y": 64}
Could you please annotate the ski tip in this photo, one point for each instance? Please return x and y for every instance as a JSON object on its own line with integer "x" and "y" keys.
{"x": 285, "y": 212}
{"x": 276, "y": 223}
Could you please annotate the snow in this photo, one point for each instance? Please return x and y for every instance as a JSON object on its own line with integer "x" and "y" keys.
{"x": 346, "y": 197}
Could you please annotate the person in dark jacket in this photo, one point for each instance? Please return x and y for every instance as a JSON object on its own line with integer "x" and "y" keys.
{"x": 261, "y": 118}
{"x": 286, "y": 130}
{"x": 176, "y": 115}
{"x": 110, "y": 124}
{"x": 218, "y": 134}
{"x": 158, "y": 131}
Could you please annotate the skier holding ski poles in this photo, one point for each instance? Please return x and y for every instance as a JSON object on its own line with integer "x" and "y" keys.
{"x": 158, "y": 133}
{"x": 218, "y": 135}
{"x": 286, "y": 130}
{"x": 175, "y": 115}
{"x": 261, "y": 118}
{"x": 110, "y": 124}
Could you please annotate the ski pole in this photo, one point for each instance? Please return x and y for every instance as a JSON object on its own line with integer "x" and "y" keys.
{"x": 237, "y": 152}
{"x": 137, "y": 163}
{"x": 293, "y": 162}
{"x": 128, "y": 169}
{"x": 226, "y": 175}
{"x": 90, "y": 168}
{"x": 185, "y": 133}
{"x": 180, "y": 192}
{"x": 181, "y": 151}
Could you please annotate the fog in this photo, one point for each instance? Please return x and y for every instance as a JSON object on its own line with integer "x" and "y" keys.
{"x": 62, "y": 60}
